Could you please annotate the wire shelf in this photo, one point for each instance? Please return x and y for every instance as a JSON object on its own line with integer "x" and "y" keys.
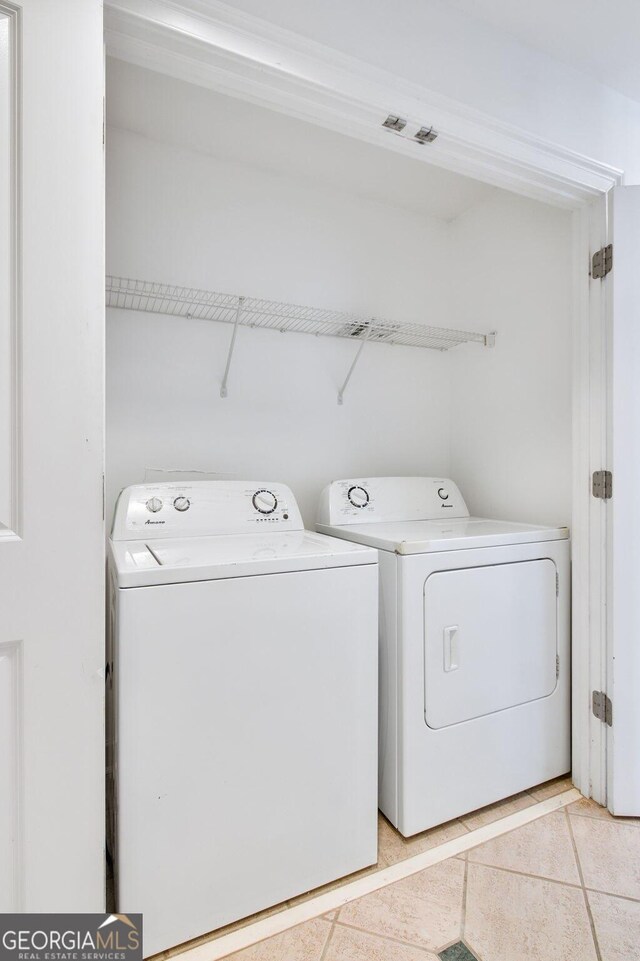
{"x": 190, "y": 302}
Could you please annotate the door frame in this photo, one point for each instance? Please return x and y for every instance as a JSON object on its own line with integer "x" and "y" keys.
{"x": 52, "y": 530}
{"x": 215, "y": 46}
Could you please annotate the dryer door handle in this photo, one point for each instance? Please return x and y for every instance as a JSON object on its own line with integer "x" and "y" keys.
{"x": 450, "y": 637}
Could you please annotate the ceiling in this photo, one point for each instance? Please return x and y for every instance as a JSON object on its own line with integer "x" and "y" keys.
{"x": 601, "y": 39}
{"x": 176, "y": 112}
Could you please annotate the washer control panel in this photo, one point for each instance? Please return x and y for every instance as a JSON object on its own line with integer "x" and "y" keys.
{"x": 265, "y": 501}
{"x": 201, "y": 508}
{"x": 367, "y": 500}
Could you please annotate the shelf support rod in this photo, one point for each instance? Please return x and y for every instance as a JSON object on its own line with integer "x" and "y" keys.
{"x": 353, "y": 365}
{"x": 223, "y": 386}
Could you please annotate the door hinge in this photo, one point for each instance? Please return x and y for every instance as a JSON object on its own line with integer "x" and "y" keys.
{"x": 557, "y": 666}
{"x": 602, "y": 484}
{"x": 602, "y": 262}
{"x": 602, "y": 707}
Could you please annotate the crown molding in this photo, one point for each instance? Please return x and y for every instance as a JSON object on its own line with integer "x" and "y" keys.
{"x": 211, "y": 44}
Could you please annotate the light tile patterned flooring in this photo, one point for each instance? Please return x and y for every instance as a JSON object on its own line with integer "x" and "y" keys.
{"x": 565, "y": 887}
{"x": 392, "y": 848}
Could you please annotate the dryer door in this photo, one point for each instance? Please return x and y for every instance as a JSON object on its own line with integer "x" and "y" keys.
{"x": 491, "y": 639}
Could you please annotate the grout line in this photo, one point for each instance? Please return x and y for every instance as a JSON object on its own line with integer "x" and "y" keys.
{"x": 584, "y": 890}
{"x": 463, "y": 920}
{"x": 525, "y": 874}
{"x": 445, "y": 947}
{"x": 621, "y": 897}
{"x": 387, "y": 937}
{"x": 327, "y": 942}
{"x": 474, "y": 952}
{"x": 620, "y": 822}
{"x": 220, "y": 947}
{"x": 462, "y": 824}
{"x": 537, "y": 791}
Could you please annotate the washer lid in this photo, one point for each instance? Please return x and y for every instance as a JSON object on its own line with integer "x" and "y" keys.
{"x": 460, "y": 533}
{"x": 177, "y": 560}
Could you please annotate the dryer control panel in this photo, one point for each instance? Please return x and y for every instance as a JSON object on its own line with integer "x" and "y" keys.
{"x": 367, "y": 500}
{"x": 201, "y": 508}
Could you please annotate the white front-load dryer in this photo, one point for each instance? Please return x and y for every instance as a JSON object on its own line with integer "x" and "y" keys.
{"x": 474, "y": 627}
{"x": 243, "y": 710}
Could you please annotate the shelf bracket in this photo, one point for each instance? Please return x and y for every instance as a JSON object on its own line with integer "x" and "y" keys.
{"x": 490, "y": 339}
{"x": 353, "y": 365}
{"x": 223, "y": 386}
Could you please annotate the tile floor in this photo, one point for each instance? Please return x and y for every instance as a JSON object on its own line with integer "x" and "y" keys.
{"x": 392, "y": 848}
{"x": 565, "y": 887}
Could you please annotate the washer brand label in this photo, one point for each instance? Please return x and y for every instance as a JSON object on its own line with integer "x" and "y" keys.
{"x": 154, "y": 522}
{"x": 71, "y": 937}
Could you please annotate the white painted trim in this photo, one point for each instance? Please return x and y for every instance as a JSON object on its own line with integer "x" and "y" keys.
{"x": 580, "y": 567}
{"x": 315, "y": 907}
{"x": 599, "y": 394}
{"x": 589, "y": 528}
{"x": 211, "y": 44}
{"x": 620, "y": 662}
{"x": 12, "y": 530}
{"x": 13, "y": 652}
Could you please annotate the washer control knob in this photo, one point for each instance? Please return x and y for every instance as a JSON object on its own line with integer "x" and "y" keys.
{"x": 182, "y": 503}
{"x": 265, "y": 501}
{"x": 154, "y": 504}
{"x": 442, "y": 494}
{"x": 358, "y": 496}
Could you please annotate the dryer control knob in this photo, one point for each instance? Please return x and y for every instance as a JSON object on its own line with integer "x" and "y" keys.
{"x": 265, "y": 501}
{"x": 442, "y": 494}
{"x": 154, "y": 504}
{"x": 182, "y": 503}
{"x": 358, "y": 496}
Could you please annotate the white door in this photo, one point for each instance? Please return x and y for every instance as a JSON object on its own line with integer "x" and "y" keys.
{"x": 491, "y": 639}
{"x": 51, "y": 455}
{"x": 623, "y": 682}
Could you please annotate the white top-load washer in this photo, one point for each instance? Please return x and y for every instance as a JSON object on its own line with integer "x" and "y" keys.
{"x": 243, "y": 720}
{"x": 474, "y": 646}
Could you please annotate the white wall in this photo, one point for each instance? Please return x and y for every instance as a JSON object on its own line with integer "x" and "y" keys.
{"x": 451, "y": 53}
{"x": 497, "y": 421}
{"x": 511, "y": 413}
{"x": 188, "y": 218}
